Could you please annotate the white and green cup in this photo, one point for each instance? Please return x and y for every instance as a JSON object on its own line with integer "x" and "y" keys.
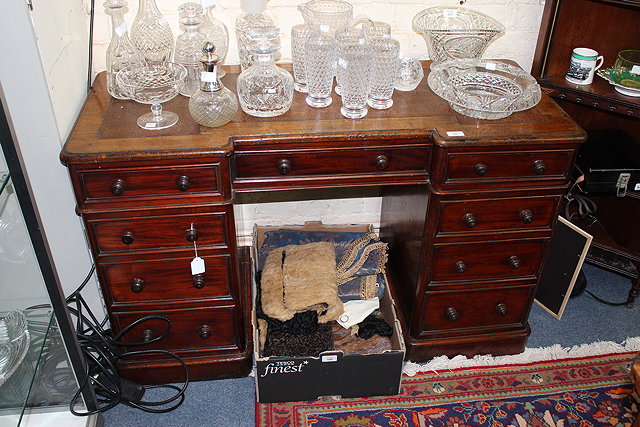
{"x": 583, "y": 65}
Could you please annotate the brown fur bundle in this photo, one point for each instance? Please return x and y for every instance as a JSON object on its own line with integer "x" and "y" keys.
{"x": 299, "y": 278}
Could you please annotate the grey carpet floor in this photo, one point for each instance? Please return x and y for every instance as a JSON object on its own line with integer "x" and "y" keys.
{"x": 231, "y": 402}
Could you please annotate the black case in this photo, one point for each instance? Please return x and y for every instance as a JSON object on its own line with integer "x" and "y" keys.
{"x": 604, "y": 157}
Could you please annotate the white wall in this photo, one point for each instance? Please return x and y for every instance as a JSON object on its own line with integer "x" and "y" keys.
{"x": 42, "y": 96}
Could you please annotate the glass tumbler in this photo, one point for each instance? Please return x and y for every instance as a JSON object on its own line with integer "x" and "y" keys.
{"x": 383, "y": 71}
{"x": 319, "y": 59}
{"x": 299, "y": 35}
{"x": 410, "y": 74}
{"x": 353, "y": 62}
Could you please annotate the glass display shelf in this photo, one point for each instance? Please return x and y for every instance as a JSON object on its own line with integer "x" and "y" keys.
{"x": 43, "y": 381}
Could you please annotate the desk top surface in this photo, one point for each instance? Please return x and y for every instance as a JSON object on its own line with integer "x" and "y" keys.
{"x": 106, "y": 129}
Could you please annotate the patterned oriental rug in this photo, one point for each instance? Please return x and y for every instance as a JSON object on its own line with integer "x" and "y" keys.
{"x": 581, "y": 392}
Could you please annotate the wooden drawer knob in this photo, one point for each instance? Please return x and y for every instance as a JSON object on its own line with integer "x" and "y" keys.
{"x": 198, "y": 281}
{"x": 183, "y": 183}
{"x": 382, "y": 162}
{"x": 137, "y": 285}
{"x": 127, "y": 237}
{"x": 461, "y": 267}
{"x": 117, "y": 186}
{"x": 526, "y": 216}
{"x": 470, "y": 219}
{"x": 284, "y": 166}
{"x": 204, "y": 331}
{"x": 514, "y": 262}
{"x": 501, "y": 309}
{"x": 191, "y": 234}
{"x": 539, "y": 167}
{"x": 452, "y": 314}
{"x": 480, "y": 169}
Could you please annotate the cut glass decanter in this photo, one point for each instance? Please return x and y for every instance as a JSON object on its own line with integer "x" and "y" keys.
{"x": 121, "y": 53}
{"x": 151, "y": 33}
{"x": 264, "y": 89}
{"x": 189, "y": 46}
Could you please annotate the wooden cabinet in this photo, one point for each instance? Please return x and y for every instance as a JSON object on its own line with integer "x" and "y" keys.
{"x": 467, "y": 218}
{"x": 608, "y": 26}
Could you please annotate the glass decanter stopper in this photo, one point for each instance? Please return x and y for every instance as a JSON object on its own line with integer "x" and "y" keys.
{"x": 216, "y": 32}
{"x": 252, "y": 15}
{"x": 121, "y": 53}
{"x": 264, "y": 89}
{"x": 213, "y": 104}
{"x": 189, "y": 46}
{"x": 151, "y": 33}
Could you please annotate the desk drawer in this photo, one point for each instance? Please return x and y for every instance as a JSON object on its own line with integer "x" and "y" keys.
{"x": 476, "y": 309}
{"x": 158, "y": 231}
{"x": 333, "y": 162}
{"x": 129, "y": 184}
{"x": 487, "y": 260}
{"x": 522, "y": 167}
{"x": 192, "y": 328}
{"x": 144, "y": 282}
{"x": 516, "y": 214}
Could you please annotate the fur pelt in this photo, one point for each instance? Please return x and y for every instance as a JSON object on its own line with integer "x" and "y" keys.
{"x": 299, "y": 278}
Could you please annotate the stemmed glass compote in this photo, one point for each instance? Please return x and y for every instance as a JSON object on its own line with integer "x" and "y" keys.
{"x": 153, "y": 83}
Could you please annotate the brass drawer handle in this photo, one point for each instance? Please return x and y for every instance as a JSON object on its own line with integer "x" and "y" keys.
{"x": 117, "y": 186}
{"x": 382, "y": 162}
{"x": 452, "y": 314}
{"x": 284, "y": 166}
{"x": 501, "y": 309}
{"x": 470, "y": 219}
{"x": 147, "y": 335}
{"x": 204, "y": 331}
{"x": 137, "y": 285}
{"x": 481, "y": 169}
{"x": 526, "y": 216}
{"x": 461, "y": 267}
{"x": 514, "y": 262}
{"x": 539, "y": 167}
{"x": 198, "y": 281}
{"x": 127, "y": 238}
{"x": 183, "y": 183}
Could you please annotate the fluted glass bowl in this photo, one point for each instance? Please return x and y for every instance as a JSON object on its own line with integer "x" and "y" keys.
{"x": 484, "y": 89}
{"x": 456, "y": 32}
{"x": 14, "y": 342}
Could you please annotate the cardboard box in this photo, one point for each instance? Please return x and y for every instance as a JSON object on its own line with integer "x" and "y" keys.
{"x": 290, "y": 379}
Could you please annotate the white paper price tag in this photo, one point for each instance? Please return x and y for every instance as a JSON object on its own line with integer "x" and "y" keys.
{"x": 449, "y": 13}
{"x": 208, "y": 3}
{"x": 490, "y": 66}
{"x": 197, "y": 266}
{"x": 455, "y": 133}
{"x": 635, "y": 69}
{"x": 207, "y": 76}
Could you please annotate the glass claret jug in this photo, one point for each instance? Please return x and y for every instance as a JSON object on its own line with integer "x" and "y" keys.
{"x": 213, "y": 104}
{"x": 151, "y": 33}
{"x": 216, "y": 32}
{"x": 121, "y": 53}
{"x": 264, "y": 89}
{"x": 189, "y": 46}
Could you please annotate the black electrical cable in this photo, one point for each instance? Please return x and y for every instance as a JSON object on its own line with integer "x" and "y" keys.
{"x": 102, "y": 350}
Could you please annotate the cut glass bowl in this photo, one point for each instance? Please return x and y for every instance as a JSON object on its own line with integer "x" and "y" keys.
{"x": 14, "y": 343}
{"x": 456, "y": 32}
{"x": 484, "y": 89}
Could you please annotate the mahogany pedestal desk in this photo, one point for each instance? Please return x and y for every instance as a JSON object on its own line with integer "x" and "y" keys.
{"x": 468, "y": 207}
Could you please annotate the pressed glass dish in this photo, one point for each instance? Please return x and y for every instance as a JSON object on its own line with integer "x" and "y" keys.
{"x": 14, "y": 342}
{"x": 484, "y": 89}
{"x": 456, "y": 32}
